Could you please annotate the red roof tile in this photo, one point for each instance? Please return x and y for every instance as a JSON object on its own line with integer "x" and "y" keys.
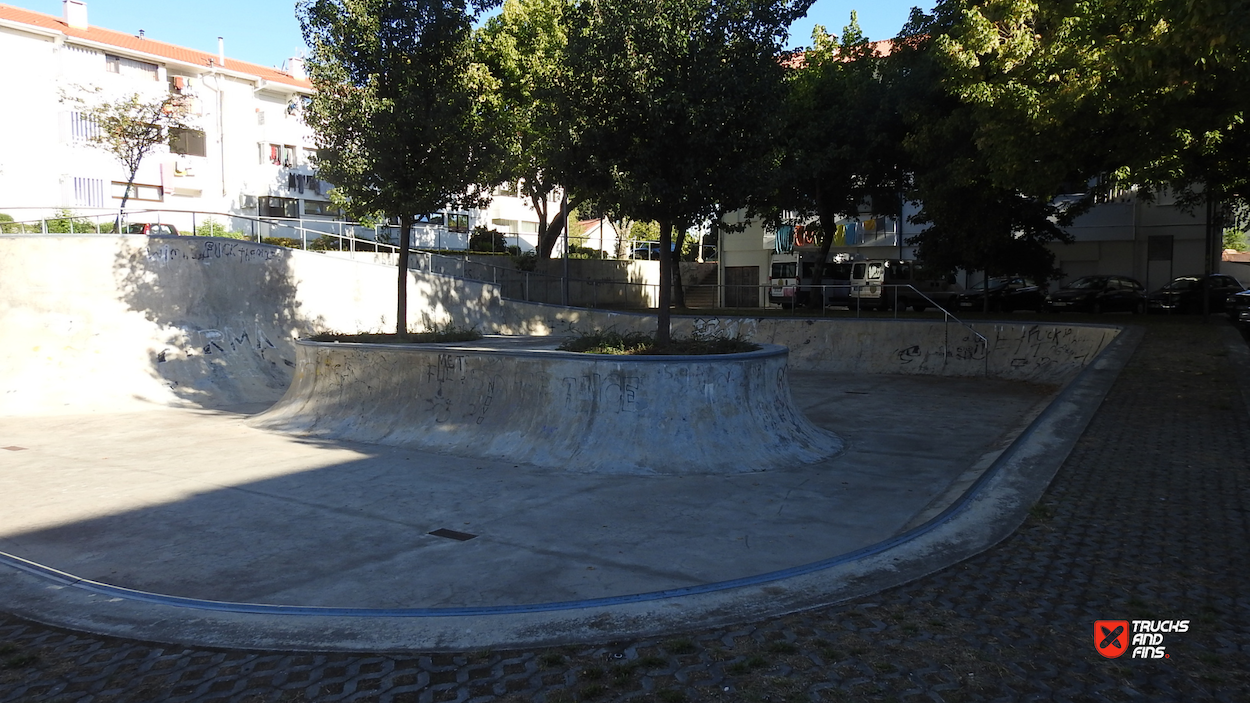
{"x": 129, "y": 42}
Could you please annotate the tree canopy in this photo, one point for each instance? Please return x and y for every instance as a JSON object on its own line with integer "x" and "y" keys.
{"x": 672, "y": 105}
{"x": 129, "y": 127}
{"x": 841, "y": 142}
{"x": 404, "y": 117}
{"x": 524, "y": 47}
{"x": 1150, "y": 92}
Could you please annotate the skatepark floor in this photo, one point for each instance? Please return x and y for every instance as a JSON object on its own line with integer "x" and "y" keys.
{"x": 195, "y": 503}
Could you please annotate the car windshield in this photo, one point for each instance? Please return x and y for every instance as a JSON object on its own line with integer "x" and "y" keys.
{"x": 1188, "y": 283}
{"x": 1087, "y": 282}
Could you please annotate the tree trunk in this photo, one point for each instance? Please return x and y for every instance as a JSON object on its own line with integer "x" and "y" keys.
{"x": 828, "y": 227}
{"x": 401, "y": 308}
{"x": 664, "y": 317}
{"x": 679, "y": 291}
{"x": 121, "y": 211}
{"x": 549, "y": 234}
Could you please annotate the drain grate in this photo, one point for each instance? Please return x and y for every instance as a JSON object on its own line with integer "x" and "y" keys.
{"x": 14, "y": 449}
{"x": 452, "y": 534}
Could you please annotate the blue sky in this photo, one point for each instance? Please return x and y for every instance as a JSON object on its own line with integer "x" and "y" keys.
{"x": 266, "y": 31}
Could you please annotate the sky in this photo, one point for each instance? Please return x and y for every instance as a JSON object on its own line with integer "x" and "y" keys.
{"x": 266, "y": 32}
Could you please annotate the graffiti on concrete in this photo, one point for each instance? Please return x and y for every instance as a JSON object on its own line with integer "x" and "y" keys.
{"x": 246, "y": 252}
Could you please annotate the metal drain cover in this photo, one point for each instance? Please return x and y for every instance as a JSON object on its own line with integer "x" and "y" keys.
{"x": 452, "y": 534}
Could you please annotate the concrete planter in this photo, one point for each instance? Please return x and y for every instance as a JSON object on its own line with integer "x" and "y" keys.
{"x": 727, "y": 413}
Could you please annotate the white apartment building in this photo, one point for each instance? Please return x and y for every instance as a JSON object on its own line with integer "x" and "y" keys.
{"x": 249, "y": 154}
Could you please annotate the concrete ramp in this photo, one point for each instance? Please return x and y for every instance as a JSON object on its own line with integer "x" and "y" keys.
{"x": 728, "y": 413}
{"x": 118, "y": 324}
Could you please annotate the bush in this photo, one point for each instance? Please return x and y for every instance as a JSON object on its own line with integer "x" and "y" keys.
{"x": 439, "y": 333}
{"x": 213, "y": 228}
{"x": 67, "y": 222}
{"x": 613, "y": 342}
{"x": 289, "y": 242}
{"x": 7, "y": 226}
{"x": 488, "y": 240}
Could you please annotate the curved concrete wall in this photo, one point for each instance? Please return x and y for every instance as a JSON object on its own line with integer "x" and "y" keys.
{"x": 603, "y": 414}
{"x": 103, "y": 323}
{"x": 1040, "y": 352}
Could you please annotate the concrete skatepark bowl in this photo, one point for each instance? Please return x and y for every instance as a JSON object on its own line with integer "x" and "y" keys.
{"x": 147, "y": 503}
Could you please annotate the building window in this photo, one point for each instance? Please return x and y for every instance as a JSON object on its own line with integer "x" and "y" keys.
{"x": 434, "y": 218}
{"x": 508, "y": 189}
{"x": 278, "y": 207}
{"x": 529, "y": 227}
{"x": 138, "y": 191}
{"x": 457, "y": 222}
{"x": 279, "y": 155}
{"x": 508, "y": 225}
{"x": 187, "y": 142}
{"x": 321, "y": 207}
{"x": 129, "y": 67}
{"x": 88, "y": 192}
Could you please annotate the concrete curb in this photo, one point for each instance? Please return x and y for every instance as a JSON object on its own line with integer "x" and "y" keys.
{"x": 992, "y": 509}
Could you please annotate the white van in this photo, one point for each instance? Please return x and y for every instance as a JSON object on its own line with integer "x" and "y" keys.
{"x": 888, "y": 284}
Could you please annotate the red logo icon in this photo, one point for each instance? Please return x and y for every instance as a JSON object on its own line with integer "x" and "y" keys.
{"x": 1111, "y": 637}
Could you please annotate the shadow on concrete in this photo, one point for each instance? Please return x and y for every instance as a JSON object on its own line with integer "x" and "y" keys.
{"x": 226, "y": 312}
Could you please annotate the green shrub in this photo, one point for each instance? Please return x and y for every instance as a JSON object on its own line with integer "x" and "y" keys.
{"x": 439, "y": 333}
{"x": 66, "y": 222}
{"x": 289, "y": 242}
{"x": 213, "y": 228}
{"x": 485, "y": 239}
{"x": 613, "y": 342}
{"x": 7, "y": 226}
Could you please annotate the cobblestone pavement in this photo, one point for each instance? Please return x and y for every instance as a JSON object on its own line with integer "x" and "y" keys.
{"x": 1146, "y": 520}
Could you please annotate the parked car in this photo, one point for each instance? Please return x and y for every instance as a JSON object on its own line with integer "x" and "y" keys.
{"x": 1184, "y": 293}
{"x": 1098, "y": 294}
{"x": 150, "y": 228}
{"x": 1237, "y": 307}
{"x": 1005, "y": 295}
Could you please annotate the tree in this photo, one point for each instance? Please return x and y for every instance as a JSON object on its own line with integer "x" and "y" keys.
{"x": 671, "y": 105}
{"x": 1152, "y": 93}
{"x": 981, "y": 214}
{"x": 524, "y": 48}
{"x": 129, "y": 127}
{"x": 835, "y": 164}
{"x": 404, "y": 117}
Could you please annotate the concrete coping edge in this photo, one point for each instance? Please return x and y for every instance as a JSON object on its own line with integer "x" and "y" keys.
{"x": 764, "y": 351}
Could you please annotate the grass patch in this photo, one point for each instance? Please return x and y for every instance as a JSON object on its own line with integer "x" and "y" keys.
{"x": 20, "y": 661}
{"x": 440, "y": 333}
{"x": 638, "y": 343}
{"x": 549, "y": 660}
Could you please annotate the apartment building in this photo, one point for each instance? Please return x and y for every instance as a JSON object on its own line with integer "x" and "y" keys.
{"x": 248, "y": 152}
